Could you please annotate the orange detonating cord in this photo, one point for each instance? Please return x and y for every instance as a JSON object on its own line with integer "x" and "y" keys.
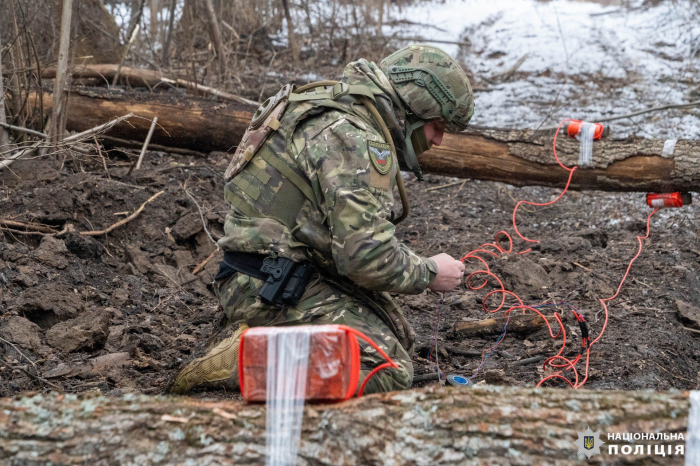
{"x": 566, "y": 188}
{"x": 495, "y": 250}
{"x": 389, "y": 363}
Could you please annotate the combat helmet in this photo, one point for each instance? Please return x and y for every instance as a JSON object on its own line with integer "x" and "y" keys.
{"x": 432, "y": 86}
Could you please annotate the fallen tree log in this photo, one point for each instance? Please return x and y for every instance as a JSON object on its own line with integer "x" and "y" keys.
{"x": 479, "y": 426}
{"x": 136, "y": 77}
{"x": 516, "y": 157}
{"x": 196, "y": 124}
{"x": 526, "y": 157}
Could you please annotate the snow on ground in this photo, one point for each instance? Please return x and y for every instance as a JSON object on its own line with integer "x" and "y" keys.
{"x": 583, "y": 59}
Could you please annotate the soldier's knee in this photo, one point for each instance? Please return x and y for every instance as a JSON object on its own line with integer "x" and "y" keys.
{"x": 389, "y": 380}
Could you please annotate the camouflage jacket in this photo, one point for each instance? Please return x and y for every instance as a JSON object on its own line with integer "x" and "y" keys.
{"x": 348, "y": 231}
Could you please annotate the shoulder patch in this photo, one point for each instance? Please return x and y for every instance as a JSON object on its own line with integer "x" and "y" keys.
{"x": 380, "y": 155}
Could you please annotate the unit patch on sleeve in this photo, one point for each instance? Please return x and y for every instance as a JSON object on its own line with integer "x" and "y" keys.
{"x": 380, "y": 155}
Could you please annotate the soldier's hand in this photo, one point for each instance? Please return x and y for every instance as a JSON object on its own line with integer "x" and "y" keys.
{"x": 450, "y": 273}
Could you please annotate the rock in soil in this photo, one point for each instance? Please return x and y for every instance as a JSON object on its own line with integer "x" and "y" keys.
{"x": 52, "y": 252}
{"x": 49, "y": 303}
{"x": 88, "y": 331}
{"x": 21, "y": 332}
{"x": 688, "y": 314}
{"x": 521, "y": 275}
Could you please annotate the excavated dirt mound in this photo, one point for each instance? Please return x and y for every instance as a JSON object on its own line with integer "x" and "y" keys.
{"x": 120, "y": 312}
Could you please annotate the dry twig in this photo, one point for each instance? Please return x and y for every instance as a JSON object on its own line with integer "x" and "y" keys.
{"x": 201, "y": 216}
{"x": 27, "y": 226}
{"x": 23, "y": 130}
{"x": 17, "y": 349}
{"x": 58, "y": 388}
{"x": 104, "y": 161}
{"x": 124, "y": 221}
{"x": 209, "y": 90}
{"x": 435, "y": 188}
{"x": 145, "y": 144}
{"x": 201, "y": 265}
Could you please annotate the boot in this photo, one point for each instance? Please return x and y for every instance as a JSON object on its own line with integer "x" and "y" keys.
{"x": 218, "y": 365}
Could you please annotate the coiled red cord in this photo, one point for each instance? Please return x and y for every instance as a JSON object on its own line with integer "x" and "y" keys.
{"x": 495, "y": 250}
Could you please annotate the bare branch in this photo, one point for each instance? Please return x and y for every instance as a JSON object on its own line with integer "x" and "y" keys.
{"x": 145, "y": 144}
{"x": 124, "y": 221}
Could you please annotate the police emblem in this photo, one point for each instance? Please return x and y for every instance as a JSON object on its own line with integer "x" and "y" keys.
{"x": 380, "y": 155}
{"x": 588, "y": 443}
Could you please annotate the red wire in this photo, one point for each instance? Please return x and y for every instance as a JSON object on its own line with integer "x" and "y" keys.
{"x": 605, "y": 307}
{"x": 389, "y": 363}
{"x": 566, "y": 188}
{"x": 488, "y": 248}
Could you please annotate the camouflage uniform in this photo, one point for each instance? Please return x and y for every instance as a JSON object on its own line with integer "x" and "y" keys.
{"x": 346, "y": 232}
{"x": 316, "y": 185}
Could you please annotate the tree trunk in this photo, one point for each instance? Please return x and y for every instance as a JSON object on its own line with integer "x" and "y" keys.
{"x": 169, "y": 33}
{"x": 154, "y": 25}
{"x": 477, "y": 426}
{"x": 61, "y": 72}
{"x": 291, "y": 36}
{"x": 516, "y": 157}
{"x": 215, "y": 34}
{"x": 4, "y": 137}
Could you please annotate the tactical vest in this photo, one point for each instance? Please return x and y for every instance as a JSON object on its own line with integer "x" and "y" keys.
{"x": 263, "y": 180}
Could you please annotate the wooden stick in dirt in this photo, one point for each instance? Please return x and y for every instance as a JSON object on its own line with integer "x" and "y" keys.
{"x": 173, "y": 150}
{"x": 506, "y": 75}
{"x": 435, "y": 188}
{"x": 104, "y": 161}
{"x": 145, "y": 144}
{"x": 61, "y": 71}
{"x": 524, "y": 362}
{"x": 201, "y": 265}
{"x": 27, "y": 226}
{"x": 20, "y": 153}
{"x": 124, "y": 221}
{"x": 76, "y": 137}
{"x": 518, "y": 324}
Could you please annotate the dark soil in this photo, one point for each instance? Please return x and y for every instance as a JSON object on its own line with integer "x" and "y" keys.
{"x": 120, "y": 313}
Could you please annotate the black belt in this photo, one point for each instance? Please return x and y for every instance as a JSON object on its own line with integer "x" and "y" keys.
{"x": 243, "y": 262}
{"x": 285, "y": 280}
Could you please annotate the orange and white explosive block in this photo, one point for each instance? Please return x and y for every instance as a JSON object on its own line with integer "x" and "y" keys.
{"x": 586, "y": 133}
{"x": 668, "y": 200}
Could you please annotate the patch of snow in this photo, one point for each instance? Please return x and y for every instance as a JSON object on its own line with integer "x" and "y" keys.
{"x": 584, "y": 59}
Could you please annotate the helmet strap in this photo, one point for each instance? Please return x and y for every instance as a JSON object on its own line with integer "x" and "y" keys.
{"x": 415, "y": 144}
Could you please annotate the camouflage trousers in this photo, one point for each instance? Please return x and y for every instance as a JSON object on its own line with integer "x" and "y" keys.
{"x": 324, "y": 303}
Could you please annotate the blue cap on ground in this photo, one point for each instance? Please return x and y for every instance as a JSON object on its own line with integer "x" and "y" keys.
{"x": 459, "y": 381}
